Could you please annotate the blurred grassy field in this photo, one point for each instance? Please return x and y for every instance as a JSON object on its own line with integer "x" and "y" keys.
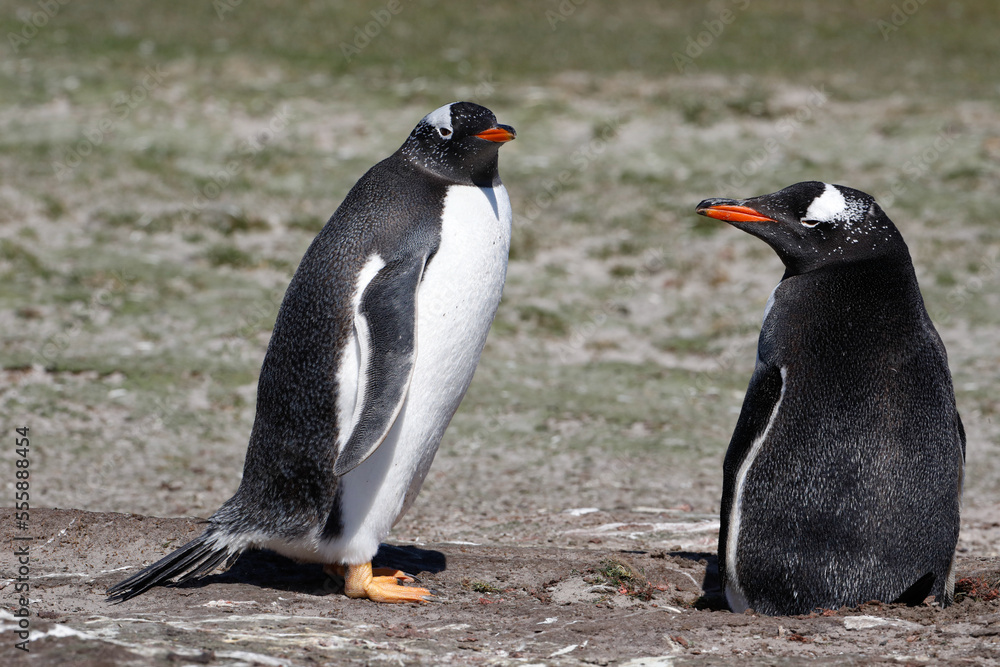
{"x": 163, "y": 167}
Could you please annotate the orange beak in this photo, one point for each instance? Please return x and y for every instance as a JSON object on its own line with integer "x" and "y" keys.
{"x": 500, "y": 134}
{"x": 733, "y": 214}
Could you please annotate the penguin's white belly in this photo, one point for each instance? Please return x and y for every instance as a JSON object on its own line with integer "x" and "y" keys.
{"x": 456, "y": 301}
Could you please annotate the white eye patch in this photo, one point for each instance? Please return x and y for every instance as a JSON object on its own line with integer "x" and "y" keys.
{"x": 826, "y": 208}
{"x": 441, "y": 119}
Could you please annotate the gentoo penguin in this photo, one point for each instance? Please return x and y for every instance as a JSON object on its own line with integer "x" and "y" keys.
{"x": 843, "y": 478}
{"x": 374, "y": 346}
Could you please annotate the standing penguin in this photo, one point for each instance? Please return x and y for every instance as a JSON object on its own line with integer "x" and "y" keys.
{"x": 374, "y": 346}
{"x": 843, "y": 479}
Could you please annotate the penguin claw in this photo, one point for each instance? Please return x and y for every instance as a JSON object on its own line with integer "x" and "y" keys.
{"x": 394, "y": 573}
{"x": 388, "y": 592}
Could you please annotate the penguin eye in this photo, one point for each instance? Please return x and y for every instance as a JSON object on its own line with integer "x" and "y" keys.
{"x": 809, "y": 223}
{"x": 445, "y": 132}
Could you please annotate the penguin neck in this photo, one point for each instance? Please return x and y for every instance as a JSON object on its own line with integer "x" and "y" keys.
{"x": 892, "y": 267}
{"x": 479, "y": 169}
{"x": 892, "y": 250}
{"x": 488, "y": 176}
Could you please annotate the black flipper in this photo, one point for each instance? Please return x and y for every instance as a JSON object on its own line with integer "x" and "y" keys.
{"x": 196, "y": 558}
{"x": 763, "y": 395}
{"x": 386, "y": 323}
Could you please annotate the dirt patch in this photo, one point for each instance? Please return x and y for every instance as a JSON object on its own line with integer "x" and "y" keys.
{"x": 498, "y": 605}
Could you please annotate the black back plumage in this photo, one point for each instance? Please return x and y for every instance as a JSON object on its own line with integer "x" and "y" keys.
{"x": 855, "y": 493}
{"x": 289, "y": 486}
{"x": 288, "y": 483}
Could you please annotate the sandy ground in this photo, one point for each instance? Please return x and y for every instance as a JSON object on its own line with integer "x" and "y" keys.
{"x": 606, "y": 603}
{"x": 571, "y": 515}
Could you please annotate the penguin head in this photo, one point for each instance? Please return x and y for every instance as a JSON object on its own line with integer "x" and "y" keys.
{"x": 459, "y": 142}
{"x": 812, "y": 224}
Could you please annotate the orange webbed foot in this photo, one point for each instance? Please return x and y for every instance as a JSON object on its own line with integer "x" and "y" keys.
{"x": 379, "y": 585}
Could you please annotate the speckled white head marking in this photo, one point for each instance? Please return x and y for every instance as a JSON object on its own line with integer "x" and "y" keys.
{"x": 440, "y": 120}
{"x": 828, "y": 207}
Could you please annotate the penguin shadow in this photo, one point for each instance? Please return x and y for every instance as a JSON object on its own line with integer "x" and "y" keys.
{"x": 712, "y": 597}
{"x": 410, "y": 559}
{"x": 267, "y": 569}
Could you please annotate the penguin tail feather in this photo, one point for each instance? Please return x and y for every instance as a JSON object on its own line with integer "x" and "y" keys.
{"x": 195, "y": 559}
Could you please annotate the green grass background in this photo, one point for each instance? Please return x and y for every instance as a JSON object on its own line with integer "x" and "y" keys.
{"x": 163, "y": 166}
